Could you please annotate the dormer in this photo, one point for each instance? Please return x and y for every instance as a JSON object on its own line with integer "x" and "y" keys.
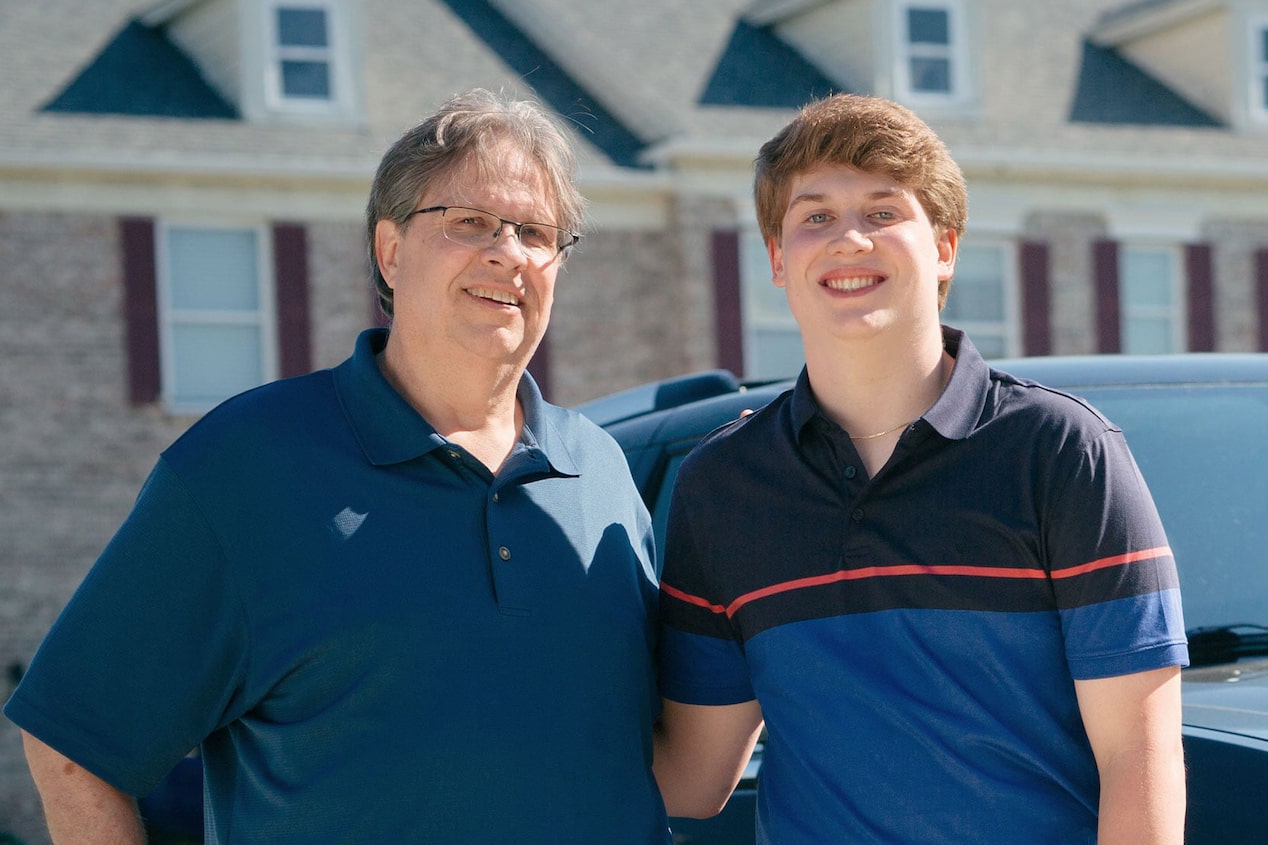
{"x": 280, "y": 61}
{"x": 1214, "y": 53}
{"x": 918, "y": 52}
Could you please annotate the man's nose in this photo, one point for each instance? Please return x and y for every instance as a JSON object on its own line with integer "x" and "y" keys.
{"x": 850, "y": 234}
{"x": 503, "y": 238}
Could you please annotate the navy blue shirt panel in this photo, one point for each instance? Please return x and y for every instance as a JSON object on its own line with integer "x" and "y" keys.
{"x": 974, "y": 494}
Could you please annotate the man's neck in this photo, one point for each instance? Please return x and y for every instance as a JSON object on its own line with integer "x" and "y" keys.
{"x": 873, "y": 385}
{"x": 469, "y": 401}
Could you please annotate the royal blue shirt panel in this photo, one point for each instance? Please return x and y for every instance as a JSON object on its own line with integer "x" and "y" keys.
{"x": 373, "y": 637}
{"x": 1009, "y": 540}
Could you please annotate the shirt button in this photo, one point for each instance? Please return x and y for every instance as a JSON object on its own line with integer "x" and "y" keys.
{"x": 857, "y": 515}
{"x": 504, "y": 553}
{"x": 454, "y": 454}
{"x": 495, "y": 498}
{"x": 850, "y": 472}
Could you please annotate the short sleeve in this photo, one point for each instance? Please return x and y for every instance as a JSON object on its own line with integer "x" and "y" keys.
{"x": 1112, "y": 568}
{"x": 143, "y": 662}
{"x": 701, "y": 660}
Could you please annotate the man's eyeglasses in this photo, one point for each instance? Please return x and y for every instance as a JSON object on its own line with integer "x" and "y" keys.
{"x": 541, "y": 242}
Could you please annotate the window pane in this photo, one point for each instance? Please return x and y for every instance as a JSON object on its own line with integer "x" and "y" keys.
{"x": 928, "y": 26}
{"x": 212, "y": 363}
{"x": 1147, "y": 336}
{"x": 768, "y": 303}
{"x": 777, "y": 353}
{"x": 212, "y": 269}
{"x": 977, "y": 291}
{"x": 301, "y": 28}
{"x": 1146, "y": 279}
{"x": 931, "y": 75}
{"x": 306, "y": 79}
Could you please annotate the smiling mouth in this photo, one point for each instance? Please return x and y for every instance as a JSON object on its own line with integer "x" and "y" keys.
{"x": 501, "y": 296}
{"x": 853, "y": 284}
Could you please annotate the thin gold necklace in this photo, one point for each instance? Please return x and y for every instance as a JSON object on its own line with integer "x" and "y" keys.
{"x": 945, "y": 377}
{"x": 880, "y": 433}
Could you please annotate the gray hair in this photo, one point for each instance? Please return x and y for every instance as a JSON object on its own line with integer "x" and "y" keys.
{"x": 471, "y": 128}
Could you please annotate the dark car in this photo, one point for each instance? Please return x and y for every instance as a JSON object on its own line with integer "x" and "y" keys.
{"x": 1198, "y": 427}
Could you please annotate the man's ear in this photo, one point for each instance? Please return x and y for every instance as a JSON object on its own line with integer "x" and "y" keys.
{"x": 387, "y": 240}
{"x": 948, "y": 249}
{"x": 776, "y": 254}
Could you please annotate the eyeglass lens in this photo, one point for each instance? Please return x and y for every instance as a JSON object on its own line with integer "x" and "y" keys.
{"x": 474, "y": 227}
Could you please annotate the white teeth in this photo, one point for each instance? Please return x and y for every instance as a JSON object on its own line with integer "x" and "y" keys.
{"x": 495, "y": 295}
{"x": 853, "y": 284}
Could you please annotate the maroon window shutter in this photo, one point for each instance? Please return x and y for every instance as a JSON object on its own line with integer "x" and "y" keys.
{"x": 1201, "y": 297}
{"x": 140, "y": 309}
{"x": 1261, "y": 277}
{"x": 1035, "y": 299}
{"x": 290, "y": 277}
{"x": 1108, "y": 319}
{"x": 727, "y": 296}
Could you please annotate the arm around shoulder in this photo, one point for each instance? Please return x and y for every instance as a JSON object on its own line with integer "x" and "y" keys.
{"x": 701, "y": 752}
{"x": 78, "y": 805}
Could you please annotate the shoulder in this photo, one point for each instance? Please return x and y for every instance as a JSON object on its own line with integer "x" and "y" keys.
{"x": 760, "y": 442}
{"x": 1043, "y": 409}
{"x": 273, "y": 418}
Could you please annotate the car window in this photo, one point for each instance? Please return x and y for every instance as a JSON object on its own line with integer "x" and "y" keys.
{"x": 1203, "y": 451}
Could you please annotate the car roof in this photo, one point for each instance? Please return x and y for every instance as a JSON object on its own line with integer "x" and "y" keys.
{"x": 688, "y": 406}
{"x": 1107, "y": 370}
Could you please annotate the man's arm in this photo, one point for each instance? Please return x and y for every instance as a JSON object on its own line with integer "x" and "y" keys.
{"x": 700, "y": 753}
{"x": 1133, "y": 723}
{"x": 78, "y": 805}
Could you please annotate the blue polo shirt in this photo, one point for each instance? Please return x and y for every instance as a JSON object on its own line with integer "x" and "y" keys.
{"x": 913, "y": 638}
{"x": 372, "y": 637}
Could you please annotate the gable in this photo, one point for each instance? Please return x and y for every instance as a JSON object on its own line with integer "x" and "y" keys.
{"x": 757, "y": 69}
{"x": 1111, "y": 89}
{"x": 553, "y": 84}
{"x": 141, "y": 72}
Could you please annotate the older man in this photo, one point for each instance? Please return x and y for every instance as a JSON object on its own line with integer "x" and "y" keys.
{"x": 402, "y": 600}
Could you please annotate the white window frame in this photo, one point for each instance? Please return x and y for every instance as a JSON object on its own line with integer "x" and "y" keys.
{"x": 335, "y": 54}
{"x": 1176, "y": 313}
{"x": 755, "y": 278}
{"x": 1257, "y": 76}
{"x": 956, "y": 53}
{"x": 1008, "y": 328}
{"x": 264, "y": 318}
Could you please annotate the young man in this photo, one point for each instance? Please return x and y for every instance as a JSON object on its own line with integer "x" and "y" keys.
{"x": 946, "y": 590}
{"x": 403, "y": 600}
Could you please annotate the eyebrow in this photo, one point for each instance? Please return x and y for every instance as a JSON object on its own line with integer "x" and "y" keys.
{"x": 883, "y": 193}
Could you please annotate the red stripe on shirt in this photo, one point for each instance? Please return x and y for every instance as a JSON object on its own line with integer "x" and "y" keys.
{"x": 912, "y": 569}
{"x": 1116, "y": 560}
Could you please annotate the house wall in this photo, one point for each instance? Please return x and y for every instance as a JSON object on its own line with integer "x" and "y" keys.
{"x": 73, "y": 452}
